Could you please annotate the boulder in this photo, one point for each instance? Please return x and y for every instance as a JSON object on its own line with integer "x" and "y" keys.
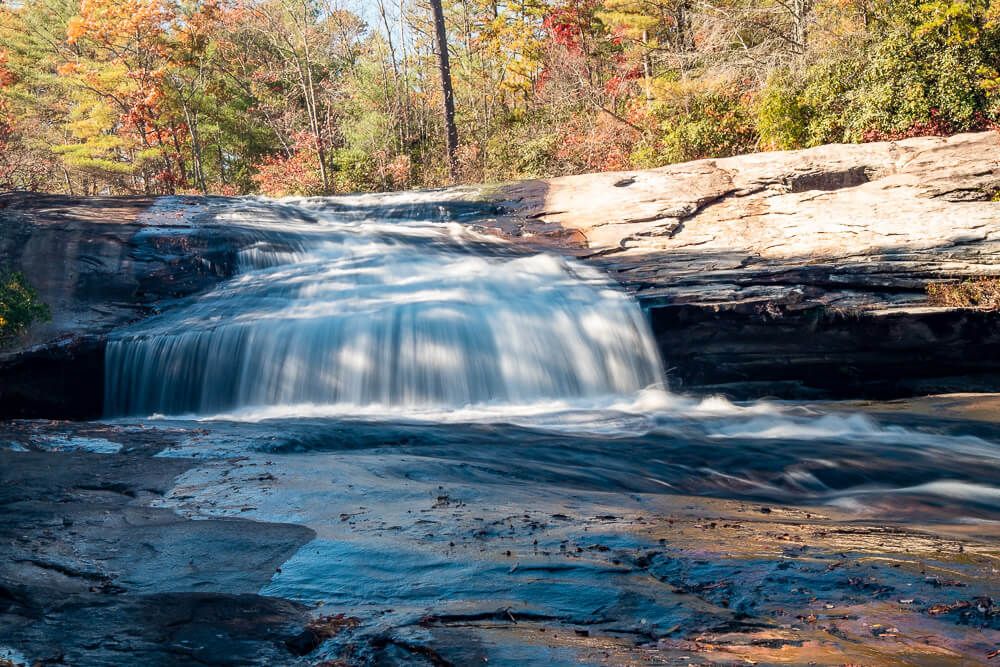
{"x": 798, "y": 273}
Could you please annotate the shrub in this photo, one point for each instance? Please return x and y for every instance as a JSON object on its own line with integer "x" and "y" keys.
{"x": 701, "y": 124}
{"x": 19, "y": 306}
{"x": 522, "y": 150}
{"x": 782, "y": 120}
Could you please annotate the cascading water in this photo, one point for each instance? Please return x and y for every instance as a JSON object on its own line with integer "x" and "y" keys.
{"x": 343, "y": 309}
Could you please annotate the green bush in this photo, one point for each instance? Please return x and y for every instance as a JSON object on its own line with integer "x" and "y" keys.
{"x": 524, "y": 147}
{"x": 923, "y": 68}
{"x": 706, "y": 124}
{"x": 355, "y": 170}
{"x": 782, "y": 120}
{"x": 19, "y": 306}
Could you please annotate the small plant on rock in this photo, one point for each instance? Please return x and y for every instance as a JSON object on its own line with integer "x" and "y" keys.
{"x": 982, "y": 292}
{"x": 19, "y": 306}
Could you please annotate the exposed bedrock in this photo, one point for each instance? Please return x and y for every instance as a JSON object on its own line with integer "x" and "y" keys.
{"x": 94, "y": 574}
{"x": 791, "y": 274}
{"x": 796, "y": 273}
{"x": 98, "y": 263}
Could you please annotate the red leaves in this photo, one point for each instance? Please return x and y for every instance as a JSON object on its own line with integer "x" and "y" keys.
{"x": 7, "y": 77}
{"x": 297, "y": 173}
{"x": 619, "y": 83}
{"x": 935, "y": 126}
{"x": 568, "y": 23}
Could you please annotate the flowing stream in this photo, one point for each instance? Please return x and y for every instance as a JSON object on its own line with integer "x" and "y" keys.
{"x": 344, "y": 312}
{"x": 448, "y": 447}
{"x": 378, "y": 312}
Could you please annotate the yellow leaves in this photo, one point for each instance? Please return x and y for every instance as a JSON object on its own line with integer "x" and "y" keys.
{"x": 507, "y": 35}
{"x": 117, "y": 77}
{"x": 990, "y": 83}
{"x": 91, "y": 118}
{"x": 632, "y": 19}
{"x": 955, "y": 20}
{"x": 993, "y": 15}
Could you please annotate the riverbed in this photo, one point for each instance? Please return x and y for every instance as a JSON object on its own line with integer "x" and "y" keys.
{"x": 772, "y": 533}
{"x": 373, "y": 433}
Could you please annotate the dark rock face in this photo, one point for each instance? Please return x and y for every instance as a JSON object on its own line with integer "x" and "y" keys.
{"x": 63, "y": 381}
{"x": 753, "y": 351}
{"x": 98, "y": 263}
{"x": 101, "y": 262}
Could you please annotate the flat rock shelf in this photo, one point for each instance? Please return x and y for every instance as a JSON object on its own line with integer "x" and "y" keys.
{"x": 312, "y": 543}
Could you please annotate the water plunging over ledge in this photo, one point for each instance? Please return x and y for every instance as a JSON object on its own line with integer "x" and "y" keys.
{"x": 338, "y": 308}
{"x": 441, "y": 445}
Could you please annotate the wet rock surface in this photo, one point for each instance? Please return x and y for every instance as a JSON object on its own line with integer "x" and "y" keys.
{"x": 91, "y": 574}
{"x": 98, "y": 263}
{"x": 690, "y": 541}
{"x": 798, "y": 273}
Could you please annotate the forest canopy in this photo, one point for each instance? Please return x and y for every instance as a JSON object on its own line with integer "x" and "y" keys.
{"x": 318, "y": 96}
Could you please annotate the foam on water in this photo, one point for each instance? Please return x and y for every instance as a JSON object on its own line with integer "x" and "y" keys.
{"x": 381, "y": 308}
{"x": 337, "y": 311}
{"x": 78, "y": 444}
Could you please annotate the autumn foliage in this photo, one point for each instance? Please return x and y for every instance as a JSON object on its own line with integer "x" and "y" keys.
{"x": 309, "y": 97}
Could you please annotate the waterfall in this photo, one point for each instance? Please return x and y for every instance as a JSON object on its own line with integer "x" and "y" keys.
{"x": 341, "y": 307}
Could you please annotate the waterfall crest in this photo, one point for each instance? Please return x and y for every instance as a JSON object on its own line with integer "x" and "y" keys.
{"x": 334, "y": 308}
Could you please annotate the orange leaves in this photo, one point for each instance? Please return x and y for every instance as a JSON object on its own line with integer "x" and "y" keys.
{"x": 117, "y": 78}
{"x": 68, "y": 69}
{"x": 295, "y": 174}
{"x": 600, "y": 143}
{"x": 113, "y": 22}
{"x": 75, "y": 29}
{"x": 121, "y": 46}
{"x": 152, "y": 98}
{"x": 7, "y": 77}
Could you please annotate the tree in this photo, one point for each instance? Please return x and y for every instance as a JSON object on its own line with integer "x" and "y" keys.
{"x": 302, "y": 97}
{"x": 444, "y": 69}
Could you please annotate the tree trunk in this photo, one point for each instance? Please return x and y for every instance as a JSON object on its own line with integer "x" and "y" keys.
{"x": 317, "y": 130}
{"x": 451, "y": 131}
{"x": 647, "y": 69}
{"x": 800, "y": 23}
{"x": 69, "y": 183}
{"x": 199, "y": 171}
{"x": 685, "y": 36}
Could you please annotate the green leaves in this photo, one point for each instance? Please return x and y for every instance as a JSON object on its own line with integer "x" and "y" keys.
{"x": 952, "y": 22}
{"x": 19, "y": 306}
